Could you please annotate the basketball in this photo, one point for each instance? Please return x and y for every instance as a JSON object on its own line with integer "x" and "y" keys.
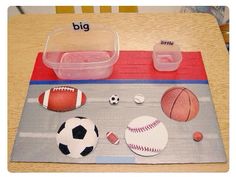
{"x": 180, "y": 104}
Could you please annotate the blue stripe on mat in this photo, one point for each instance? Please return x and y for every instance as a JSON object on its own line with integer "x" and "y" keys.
{"x": 117, "y": 81}
{"x": 114, "y": 159}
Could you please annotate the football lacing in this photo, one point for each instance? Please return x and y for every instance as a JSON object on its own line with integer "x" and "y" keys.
{"x": 143, "y": 148}
{"x": 63, "y": 89}
{"x": 144, "y": 128}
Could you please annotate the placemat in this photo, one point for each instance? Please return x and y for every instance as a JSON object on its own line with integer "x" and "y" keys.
{"x": 132, "y": 74}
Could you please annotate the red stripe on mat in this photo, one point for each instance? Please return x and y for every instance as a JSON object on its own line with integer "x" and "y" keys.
{"x": 138, "y": 65}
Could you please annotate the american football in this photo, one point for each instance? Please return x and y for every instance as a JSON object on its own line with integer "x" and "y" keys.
{"x": 63, "y": 98}
{"x": 77, "y": 137}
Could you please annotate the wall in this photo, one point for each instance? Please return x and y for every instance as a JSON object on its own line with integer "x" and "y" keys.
{"x": 220, "y": 12}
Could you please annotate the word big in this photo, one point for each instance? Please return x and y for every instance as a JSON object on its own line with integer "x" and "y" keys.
{"x": 81, "y": 26}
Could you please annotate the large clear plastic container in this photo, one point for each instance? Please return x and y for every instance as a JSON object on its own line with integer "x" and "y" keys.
{"x": 166, "y": 56}
{"x": 82, "y": 54}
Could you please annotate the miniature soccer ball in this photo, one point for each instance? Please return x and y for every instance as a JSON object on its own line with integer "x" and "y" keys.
{"x": 77, "y": 137}
{"x": 114, "y": 99}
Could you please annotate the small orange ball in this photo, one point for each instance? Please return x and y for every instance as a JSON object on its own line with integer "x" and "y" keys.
{"x": 197, "y": 136}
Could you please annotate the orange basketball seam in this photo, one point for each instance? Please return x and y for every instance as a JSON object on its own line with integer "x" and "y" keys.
{"x": 190, "y": 106}
{"x": 196, "y": 99}
{"x": 194, "y": 96}
{"x": 172, "y": 107}
{"x": 169, "y": 90}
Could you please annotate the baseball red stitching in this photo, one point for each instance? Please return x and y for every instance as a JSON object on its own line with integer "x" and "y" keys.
{"x": 143, "y": 148}
{"x": 144, "y": 128}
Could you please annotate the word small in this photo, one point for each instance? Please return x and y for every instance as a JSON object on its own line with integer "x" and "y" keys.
{"x": 167, "y": 42}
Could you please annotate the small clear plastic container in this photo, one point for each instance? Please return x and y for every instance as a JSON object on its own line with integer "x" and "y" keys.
{"x": 166, "y": 56}
{"x": 81, "y": 54}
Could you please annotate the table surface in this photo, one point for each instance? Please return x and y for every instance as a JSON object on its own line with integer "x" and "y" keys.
{"x": 194, "y": 32}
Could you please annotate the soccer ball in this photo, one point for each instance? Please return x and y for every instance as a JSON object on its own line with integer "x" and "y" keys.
{"x": 77, "y": 137}
{"x": 114, "y": 99}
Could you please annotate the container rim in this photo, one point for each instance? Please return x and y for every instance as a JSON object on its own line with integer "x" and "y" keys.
{"x": 87, "y": 65}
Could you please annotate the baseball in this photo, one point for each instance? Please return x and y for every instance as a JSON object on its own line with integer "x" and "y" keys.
{"x": 146, "y": 136}
{"x": 139, "y": 98}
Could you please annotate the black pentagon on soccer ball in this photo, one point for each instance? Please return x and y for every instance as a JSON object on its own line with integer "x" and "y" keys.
{"x": 79, "y": 132}
{"x": 96, "y": 130}
{"x": 86, "y": 151}
{"x": 64, "y": 149}
{"x": 79, "y": 117}
{"x": 61, "y": 127}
